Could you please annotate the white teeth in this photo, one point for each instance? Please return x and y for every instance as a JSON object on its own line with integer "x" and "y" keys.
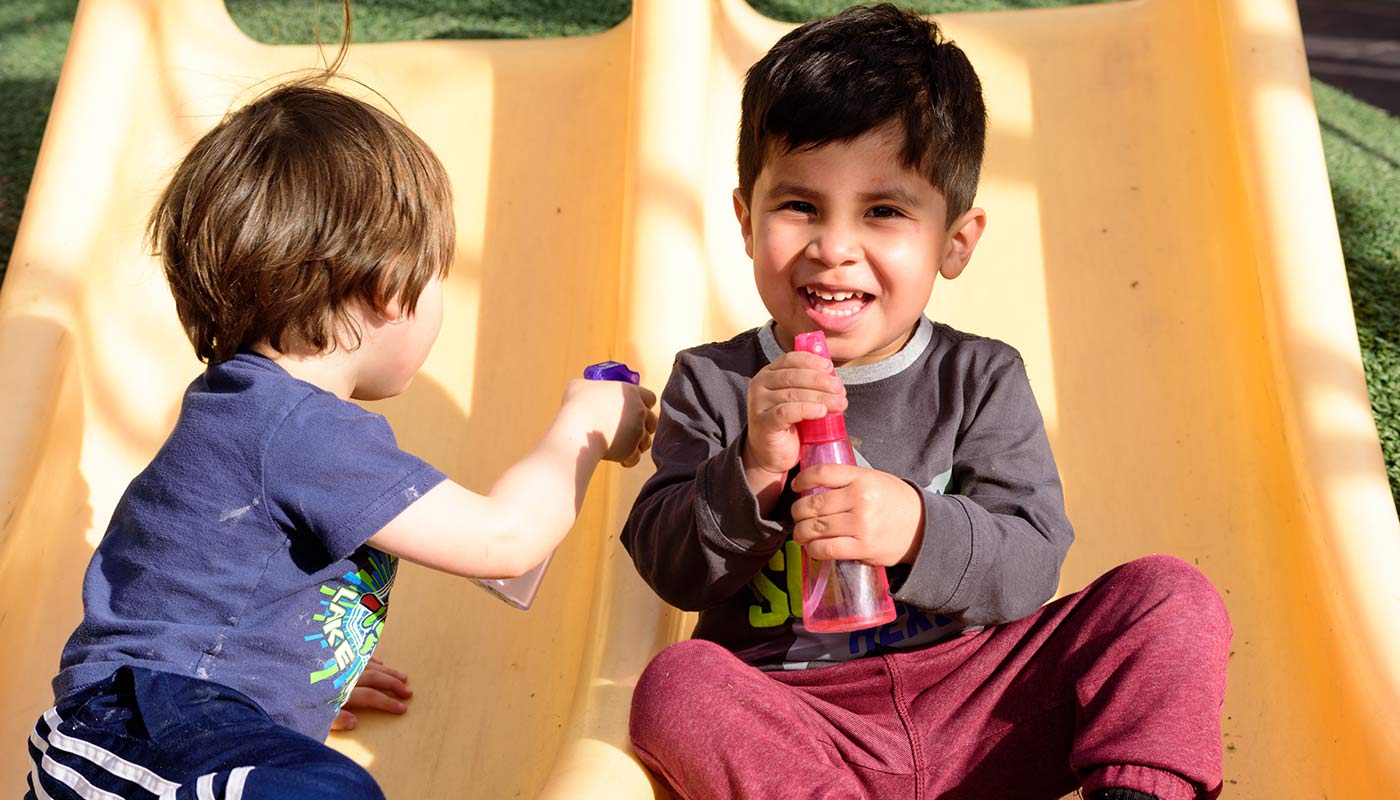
{"x": 835, "y": 296}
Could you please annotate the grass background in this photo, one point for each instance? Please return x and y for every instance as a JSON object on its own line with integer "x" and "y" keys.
{"x": 1361, "y": 142}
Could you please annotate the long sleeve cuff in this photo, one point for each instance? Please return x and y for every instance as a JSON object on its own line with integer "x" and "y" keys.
{"x": 727, "y": 509}
{"x": 942, "y": 570}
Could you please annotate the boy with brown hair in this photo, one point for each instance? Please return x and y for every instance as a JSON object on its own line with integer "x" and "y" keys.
{"x": 235, "y": 601}
{"x": 860, "y": 143}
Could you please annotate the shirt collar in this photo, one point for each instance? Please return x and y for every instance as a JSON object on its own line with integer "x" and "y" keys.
{"x": 863, "y": 373}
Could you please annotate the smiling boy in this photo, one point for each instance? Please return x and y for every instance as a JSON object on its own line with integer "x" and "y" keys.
{"x": 860, "y": 144}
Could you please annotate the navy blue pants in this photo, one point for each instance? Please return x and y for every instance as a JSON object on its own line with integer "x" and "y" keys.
{"x": 144, "y": 734}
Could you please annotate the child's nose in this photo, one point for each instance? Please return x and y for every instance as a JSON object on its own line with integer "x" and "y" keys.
{"x": 834, "y": 244}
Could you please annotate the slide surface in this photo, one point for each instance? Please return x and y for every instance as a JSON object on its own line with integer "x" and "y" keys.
{"x": 1161, "y": 249}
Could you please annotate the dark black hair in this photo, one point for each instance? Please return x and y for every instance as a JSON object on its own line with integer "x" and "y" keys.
{"x": 834, "y": 79}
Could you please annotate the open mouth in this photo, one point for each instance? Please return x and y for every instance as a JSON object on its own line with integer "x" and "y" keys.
{"x": 832, "y": 305}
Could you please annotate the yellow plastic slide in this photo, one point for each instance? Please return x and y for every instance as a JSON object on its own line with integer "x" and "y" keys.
{"x": 1161, "y": 249}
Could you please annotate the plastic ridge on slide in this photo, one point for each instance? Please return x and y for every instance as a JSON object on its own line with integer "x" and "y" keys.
{"x": 1161, "y": 251}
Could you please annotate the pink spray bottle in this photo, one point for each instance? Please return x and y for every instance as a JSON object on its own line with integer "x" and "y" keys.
{"x": 837, "y": 596}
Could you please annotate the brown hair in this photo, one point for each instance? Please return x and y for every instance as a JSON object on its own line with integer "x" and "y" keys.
{"x": 291, "y": 210}
{"x": 834, "y": 79}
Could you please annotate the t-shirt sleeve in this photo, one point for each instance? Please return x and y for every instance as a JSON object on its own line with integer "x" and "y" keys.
{"x": 335, "y": 471}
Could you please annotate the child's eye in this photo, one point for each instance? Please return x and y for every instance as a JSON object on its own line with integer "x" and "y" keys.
{"x": 800, "y": 206}
{"x": 884, "y": 212}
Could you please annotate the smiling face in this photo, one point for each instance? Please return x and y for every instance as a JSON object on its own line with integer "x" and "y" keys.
{"x": 847, "y": 239}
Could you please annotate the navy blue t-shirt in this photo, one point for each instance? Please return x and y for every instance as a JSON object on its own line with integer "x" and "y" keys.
{"x": 238, "y": 555}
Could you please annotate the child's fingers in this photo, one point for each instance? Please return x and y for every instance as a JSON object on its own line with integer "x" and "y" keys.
{"x": 790, "y": 378}
{"x": 841, "y": 525}
{"x": 385, "y": 681}
{"x": 344, "y": 721}
{"x": 375, "y": 665}
{"x": 767, "y": 398}
{"x": 822, "y": 504}
{"x": 648, "y": 396}
{"x": 837, "y": 548}
{"x": 824, "y": 476}
{"x": 643, "y": 445}
{"x": 397, "y": 673}
{"x": 799, "y": 359}
{"x": 364, "y": 698}
{"x": 784, "y": 416}
{"x": 773, "y": 387}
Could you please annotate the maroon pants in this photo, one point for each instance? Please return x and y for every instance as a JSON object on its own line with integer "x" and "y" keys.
{"x": 1119, "y": 685}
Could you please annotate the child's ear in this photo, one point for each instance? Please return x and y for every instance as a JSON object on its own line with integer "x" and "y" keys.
{"x": 962, "y": 240}
{"x": 391, "y": 311}
{"x": 741, "y": 211}
{"x": 387, "y": 312}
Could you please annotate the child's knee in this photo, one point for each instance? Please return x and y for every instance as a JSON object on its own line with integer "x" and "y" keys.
{"x": 678, "y": 685}
{"x": 1172, "y": 586}
{"x": 681, "y": 675}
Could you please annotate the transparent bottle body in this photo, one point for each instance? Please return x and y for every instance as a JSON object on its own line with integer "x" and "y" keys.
{"x": 520, "y": 591}
{"x": 840, "y": 596}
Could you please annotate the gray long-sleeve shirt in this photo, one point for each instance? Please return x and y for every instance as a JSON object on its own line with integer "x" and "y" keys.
{"x": 951, "y": 414}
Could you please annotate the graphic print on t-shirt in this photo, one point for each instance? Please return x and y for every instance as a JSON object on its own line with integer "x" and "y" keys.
{"x": 778, "y": 588}
{"x": 353, "y": 616}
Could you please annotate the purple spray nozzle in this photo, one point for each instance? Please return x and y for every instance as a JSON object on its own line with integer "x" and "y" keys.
{"x": 611, "y": 371}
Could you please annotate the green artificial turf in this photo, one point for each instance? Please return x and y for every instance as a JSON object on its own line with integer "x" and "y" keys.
{"x": 803, "y": 10}
{"x": 291, "y": 21}
{"x": 33, "y": 36}
{"x": 1362, "y": 143}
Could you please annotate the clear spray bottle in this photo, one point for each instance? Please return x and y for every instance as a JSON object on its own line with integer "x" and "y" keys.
{"x": 837, "y": 596}
{"x": 520, "y": 592}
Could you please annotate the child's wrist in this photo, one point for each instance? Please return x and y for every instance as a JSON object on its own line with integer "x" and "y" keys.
{"x": 765, "y": 485}
{"x": 915, "y": 507}
{"x": 754, "y": 470}
{"x": 576, "y": 427}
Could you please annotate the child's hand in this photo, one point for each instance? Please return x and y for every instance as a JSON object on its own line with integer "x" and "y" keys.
{"x": 865, "y": 515}
{"x": 379, "y": 688}
{"x": 794, "y": 387}
{"x": 622, "y": 413}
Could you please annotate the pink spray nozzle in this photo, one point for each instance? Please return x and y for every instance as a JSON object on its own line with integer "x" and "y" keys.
{"x": 832, "y": 427}
{"x": 812, "y": 342}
